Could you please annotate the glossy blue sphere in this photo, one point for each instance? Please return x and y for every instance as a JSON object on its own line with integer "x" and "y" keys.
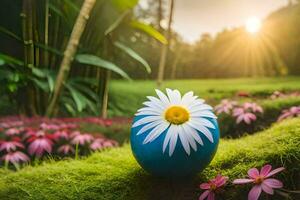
{"x": 151, "y": 157}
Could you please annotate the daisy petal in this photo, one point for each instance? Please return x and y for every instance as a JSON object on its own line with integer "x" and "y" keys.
{"x": 148, "y": 126}
{"x": 190, "y": 138}
{"x": 203, "y": 130}
{"x": 253, "y": 173}
{"x": 254, "y": 192}
{"x": 173, "y": 141}
{"x": 265, "y": 170}
{"x": 157, "y": 131}
{"x": 204, "y": 122}
{"x": 184, "y": 140}
{"x": 267, "y": 189}
{"x": 204, "y": 195}
{"x": 208, "y": 114}
{"x": 170, "y": 95}
{"x": 157, "y": 102}
{"x": 187, "y": 98}
{"x": 145, "y": 120}
{"x": 177, "y": 97}
{"x": 242, "y": 181}
{"x": 195, "y": 135}
{"x": 162, "y": 97}
{"x": 168, "y": 137}
{"x": 275, "y": 171}
{"x": 211, "y": 196}
{"x": 205, "y": 186}
{"x": 273, "y": 183}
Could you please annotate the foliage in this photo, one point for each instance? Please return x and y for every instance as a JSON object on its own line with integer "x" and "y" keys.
{"x": 30, "y": 71}
{"x": 114, "y": 174}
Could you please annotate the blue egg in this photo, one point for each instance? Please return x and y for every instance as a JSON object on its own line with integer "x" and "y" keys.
{"x": 152, "y": 158}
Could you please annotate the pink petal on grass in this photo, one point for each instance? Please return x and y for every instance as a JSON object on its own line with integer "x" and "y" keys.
{"x": 254, "y": 192}
{"x": 275, "y": 171}
{"x": 204, "y": 195}
{"x": 211, "y": 196}
{"x": 265, "y": 170}
{"x": 267, "y": 189}
{"x": 253, "y": 173}
{"x": 273, "y": 183}
{"x": 205, "y": 186}
{"x": 242, "y": 181}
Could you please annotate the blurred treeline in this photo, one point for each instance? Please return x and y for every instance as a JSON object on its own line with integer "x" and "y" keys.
{"x": 230, "y": 53}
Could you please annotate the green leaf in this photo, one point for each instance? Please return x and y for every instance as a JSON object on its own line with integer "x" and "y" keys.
{"x": 72, "y": 5}
{"x": 38, "y": 72}
{"x": 2, "y": 62}
{"x": 50, "y": 49}
{"x": 9, "y": 33}
{"x": 70, "y": 109}
{"x": 93, "y": 60}
{"x": 149, "y": 30}
{"x": 124, "y": 4}
{"x": 134, "y": 55}
{"x": 10, "y": 59}
{"x": 118, "y": 21}
{"x": 50, "y": 83}
{"x": 78, "y": 98}
{"x": 41, "y": 84}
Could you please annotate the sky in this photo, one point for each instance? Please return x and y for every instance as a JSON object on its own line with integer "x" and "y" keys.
{"x": 195, "y": 17}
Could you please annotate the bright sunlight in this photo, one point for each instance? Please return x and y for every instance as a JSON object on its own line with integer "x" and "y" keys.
{"x": 253, "y": 25}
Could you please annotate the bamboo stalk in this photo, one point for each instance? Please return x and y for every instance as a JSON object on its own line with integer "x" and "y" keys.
{"x": 70, "y": 52}
{"x": 46, "y": 31}
{"x": 165, "y": 48}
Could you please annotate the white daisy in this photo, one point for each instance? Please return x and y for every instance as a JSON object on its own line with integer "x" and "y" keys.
{"x": 182, "y": 117}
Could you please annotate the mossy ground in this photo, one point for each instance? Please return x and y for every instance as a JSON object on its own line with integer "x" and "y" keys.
{"x": 114, "y": 174}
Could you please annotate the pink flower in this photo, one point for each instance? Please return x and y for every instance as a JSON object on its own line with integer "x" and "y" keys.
{"x": 10, "y": 145}
{"x": 225, "y": 106}
{"x": 277, "y": 94}
{"x": 13, "y": 131}
{"x": 212, "y": 187}
{"x": 253, "y": 107}
{"x": 39, "y": 146}
{"x": 242, "y": 115}
{"x": 45, "y": 126}
{"x": 15, "y": 157}
{"x": 261, "y": 181}
{"x": 66, "y": 149}
{"x": 289, "y": 113}
{"x": 63, "y": 134}
{"x": 97, "y": 144}
{"x": 81, "y": 138}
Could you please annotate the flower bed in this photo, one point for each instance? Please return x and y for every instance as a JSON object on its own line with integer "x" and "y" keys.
{"x": 25, "y": 139}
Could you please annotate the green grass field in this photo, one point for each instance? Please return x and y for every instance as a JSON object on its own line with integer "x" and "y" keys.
{"x": 114, "y": 174}
{"x": 126, "y": 97}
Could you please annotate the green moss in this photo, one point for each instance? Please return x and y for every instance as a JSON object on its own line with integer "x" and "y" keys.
{"x": 114, "y": 174}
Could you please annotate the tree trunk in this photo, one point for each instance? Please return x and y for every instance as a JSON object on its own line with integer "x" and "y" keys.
{"x": 165, "y": 48}
{"x": 174, "y": 65}
{"x": 70, "y": 52}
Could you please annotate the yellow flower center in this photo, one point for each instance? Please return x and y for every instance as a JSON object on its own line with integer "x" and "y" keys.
{"x": 177, "y": 115}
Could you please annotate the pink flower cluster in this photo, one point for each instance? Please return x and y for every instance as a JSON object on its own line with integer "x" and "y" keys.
{"x": 246, "y": 112}
{"x": 278, "y": 94}
{"x": 261, "y": 180}
{"x": 290, "y": 113}
{"x": 24, "y": 138}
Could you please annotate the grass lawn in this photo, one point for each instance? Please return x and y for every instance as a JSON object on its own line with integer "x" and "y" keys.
{"x": 127, "y": 97}
{"x": 114, "y": 174}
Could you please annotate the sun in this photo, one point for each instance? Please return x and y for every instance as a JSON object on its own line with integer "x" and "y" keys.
{"x": 253, "y": 25}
